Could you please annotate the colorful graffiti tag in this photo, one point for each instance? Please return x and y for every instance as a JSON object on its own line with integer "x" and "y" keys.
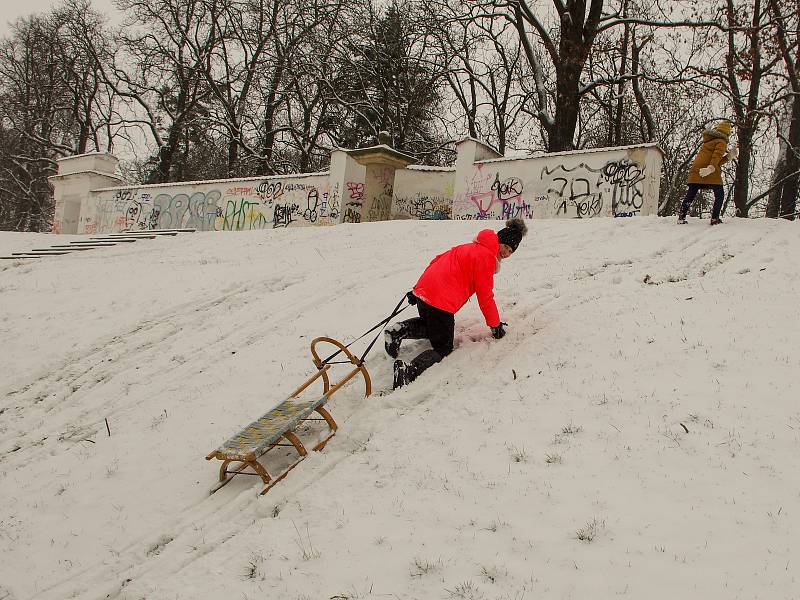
{"x": 260, "y": 205}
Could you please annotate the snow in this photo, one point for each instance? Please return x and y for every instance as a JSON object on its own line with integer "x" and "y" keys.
{"x": 471, "y": 483}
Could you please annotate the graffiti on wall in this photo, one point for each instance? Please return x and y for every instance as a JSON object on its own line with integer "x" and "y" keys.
{"x": 268, "y": 204}
{"x": 561, "y": 190}
{"x": 422, "y": 206}
{"x": 241, "y": 214}
{"x": 381, "y": 204}
{"x": 495, "y": 197}
{"x": 354, "y": 202}
{"x": 571, "y": 189}
{"x": 582, "y": 188}
{"x": 625, "y": 177}
{"x": 330, "y": 203}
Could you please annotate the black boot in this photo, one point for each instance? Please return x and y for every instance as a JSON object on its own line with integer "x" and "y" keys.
{"x": 402, "y": 374}
{"x": 405, "y": 373}
{"x": 424, "y": 360}
{"x": 412, "y": 329}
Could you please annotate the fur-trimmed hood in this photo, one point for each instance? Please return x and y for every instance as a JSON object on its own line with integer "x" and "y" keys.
{"x": 710, "y": 134}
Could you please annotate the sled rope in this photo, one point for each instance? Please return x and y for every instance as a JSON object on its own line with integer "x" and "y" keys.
{"x": 397, "y": 310}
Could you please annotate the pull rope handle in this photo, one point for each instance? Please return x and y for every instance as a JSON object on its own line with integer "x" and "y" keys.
{"x": 397, "y": 310}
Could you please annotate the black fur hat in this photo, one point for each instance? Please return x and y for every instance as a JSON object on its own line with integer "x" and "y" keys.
{"x": 511, "y": 235}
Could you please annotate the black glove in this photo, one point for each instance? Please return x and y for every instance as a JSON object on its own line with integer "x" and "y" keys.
{"x": 498, "y": 332}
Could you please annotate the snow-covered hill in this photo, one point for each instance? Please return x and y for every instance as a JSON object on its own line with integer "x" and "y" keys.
{"x": 645, "y": 400}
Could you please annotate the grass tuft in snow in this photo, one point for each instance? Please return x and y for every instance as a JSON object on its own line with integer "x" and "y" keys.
{"x": 553, "y": 459}
{"x": 307, "y": 551}
{"x": 422, "y": 567}
{"x": 157, "y": 421}
{"x": 352, "y": 595}
{"x": 465, "y": 591}
{"x": 112, "y": 468}
{"x": 254, "y": 569}
{"x": 156, "y": 548}
{"x": 588, "y": 532}
{"x": 360, "y": 445}
{"x": 518, "y": 454}
{"x": 493, "y": 573}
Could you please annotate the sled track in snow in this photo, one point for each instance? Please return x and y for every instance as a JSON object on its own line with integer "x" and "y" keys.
{"x": 207, "y": 524}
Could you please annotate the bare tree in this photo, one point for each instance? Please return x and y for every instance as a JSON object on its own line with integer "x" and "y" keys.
{"x": 568, "y": 33}
{"x": 51, "y": 105}
{"x": 161, "y": 75}
{"x": 746, "y": 67}
{"x": 483, "y": 62}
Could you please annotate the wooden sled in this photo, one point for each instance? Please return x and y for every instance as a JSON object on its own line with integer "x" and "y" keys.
{"x": 266, "y": 433}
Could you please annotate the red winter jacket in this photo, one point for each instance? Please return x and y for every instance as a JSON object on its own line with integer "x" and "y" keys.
{"x": 452, "y": 277}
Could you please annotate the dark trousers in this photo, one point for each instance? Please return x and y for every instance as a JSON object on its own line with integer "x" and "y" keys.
{"x": 719, "y": 197}
{"x": 433, "y": 324}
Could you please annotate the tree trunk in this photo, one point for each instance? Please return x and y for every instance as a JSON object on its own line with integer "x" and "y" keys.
{"x": 647, "y": 115}
{"x": 270, "y": 111}
{"x": 790, "y": 187}
{"x": 165, "y": 157}
{"x": 573, "y": 48}
{"x": 472, "y": 113}
{"x": 741, "y": 185}
{"x": 778, "y": 172}
{"x": 233, "y": 150}
{"x": 562, "y": 134}
{"x": 83, "y": 138}
{"x": 623, "y": 69}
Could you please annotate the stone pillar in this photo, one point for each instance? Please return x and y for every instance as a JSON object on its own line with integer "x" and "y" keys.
{"x": 346, "y": 194}
{"x": 77, "y": 176}
{"x": 381, "y": 162}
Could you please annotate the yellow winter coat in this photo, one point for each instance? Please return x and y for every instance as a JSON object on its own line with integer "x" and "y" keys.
{"x": 712, "y": 152}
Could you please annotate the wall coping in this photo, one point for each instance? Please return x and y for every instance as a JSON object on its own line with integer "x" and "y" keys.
{"x": 89, "y": 172}
{"x": 375, "y": 155}
{"x": 210, "y": 181}
{"x": 481, "y": 142}
{"x": 94, "y": 153}
{"x": 430, "y": 168}
{"x": 653, "y": 145}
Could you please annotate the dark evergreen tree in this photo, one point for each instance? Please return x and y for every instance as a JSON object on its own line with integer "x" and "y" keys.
{"x": 390, "y": 84}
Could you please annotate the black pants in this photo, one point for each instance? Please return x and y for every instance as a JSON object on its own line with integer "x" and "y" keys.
{"x": 719, "y": 197}
{"x": 433, "y": 324}
{"x": 439, "y": 327}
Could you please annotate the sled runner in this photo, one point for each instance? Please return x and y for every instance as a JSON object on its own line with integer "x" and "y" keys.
{"x": 266, "y": 433}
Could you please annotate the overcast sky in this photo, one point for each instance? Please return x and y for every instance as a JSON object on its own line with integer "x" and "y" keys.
{"x": 10, "y": 10}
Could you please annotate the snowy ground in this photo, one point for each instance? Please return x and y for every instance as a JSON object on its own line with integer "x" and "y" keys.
{"x": 645, "y": 397}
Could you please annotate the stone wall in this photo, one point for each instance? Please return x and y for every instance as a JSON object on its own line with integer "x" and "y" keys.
{"x": 607, "y": 182}
{"x": 423, "y": 193}
{"x": 224, "y": 205}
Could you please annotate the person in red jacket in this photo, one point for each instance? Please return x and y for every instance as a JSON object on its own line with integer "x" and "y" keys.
{"x": 449, "y": 281}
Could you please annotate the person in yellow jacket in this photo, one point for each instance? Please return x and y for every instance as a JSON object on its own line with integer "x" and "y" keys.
{"x": 705, "y": 171}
